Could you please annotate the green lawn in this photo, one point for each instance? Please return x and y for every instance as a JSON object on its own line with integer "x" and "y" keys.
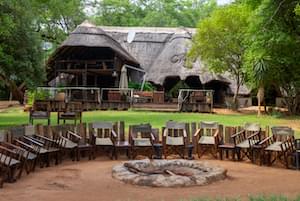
{"x": 157, "y": 119}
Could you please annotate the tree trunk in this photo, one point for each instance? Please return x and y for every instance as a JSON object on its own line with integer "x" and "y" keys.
{"x": 235, "y": 97}
{"x": 260, "y": 98}
{"x": 17, "y": 92}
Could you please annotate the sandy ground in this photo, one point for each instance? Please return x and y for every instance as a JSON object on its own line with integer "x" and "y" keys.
{"x": 92, "y": 181}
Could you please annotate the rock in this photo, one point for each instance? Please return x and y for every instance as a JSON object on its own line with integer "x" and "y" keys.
{"x": 168, "y": 173}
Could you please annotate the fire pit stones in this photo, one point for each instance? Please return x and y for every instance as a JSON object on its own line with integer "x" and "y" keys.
{"x": 168, "y": 173}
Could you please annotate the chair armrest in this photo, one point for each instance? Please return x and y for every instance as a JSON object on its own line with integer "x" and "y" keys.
{"x": 12, "y": 146}
{"x": 74, "y": 134}
{"x": 238, "y": 133}
{"x": 216, "y": 134}
{"x": 184, "y": 133}
{"x": 253, "y": 135}
{"x": 45, "y": 138}
{"x": 266, "y": 141}
{"x": 114, "y": 134}
{"x": 197, "y": 132}
{"x": 33, "y": 141}
{"x": 152, "y": 136}
{"x": 165, "y": 132}
{"x": 10, "y": 152}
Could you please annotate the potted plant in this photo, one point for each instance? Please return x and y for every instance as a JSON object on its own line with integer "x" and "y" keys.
{"x": 60, "y": 94}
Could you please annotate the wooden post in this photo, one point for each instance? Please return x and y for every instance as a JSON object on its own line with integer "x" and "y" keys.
{"x": 187, "y": 128}
{"x": 122, "y": 130}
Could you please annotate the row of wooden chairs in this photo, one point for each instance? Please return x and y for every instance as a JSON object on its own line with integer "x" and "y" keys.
{"x": 65, "y": 111}
{"x": 28, "y": 146}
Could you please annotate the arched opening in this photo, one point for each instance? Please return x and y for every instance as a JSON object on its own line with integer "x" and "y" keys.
{"x": 170, "y": 82}
{"x": 193, "y": 82}
{"x": 220, "y": 90}
{"x": 171, "y": 85}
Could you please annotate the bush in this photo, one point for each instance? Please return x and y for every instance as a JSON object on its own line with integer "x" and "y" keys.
{"x": 33, "y": 95}
{"x": 147, "y": 86}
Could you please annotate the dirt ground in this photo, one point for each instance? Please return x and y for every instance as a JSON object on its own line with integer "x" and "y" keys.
{"x": 92, "y": 181}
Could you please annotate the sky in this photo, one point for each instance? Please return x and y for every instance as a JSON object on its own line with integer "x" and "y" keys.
{"x": 222, "y": 2}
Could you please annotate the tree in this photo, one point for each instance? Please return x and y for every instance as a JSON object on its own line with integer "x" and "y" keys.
{"x": 219, "y": 42}
{"x": 274, "y": 35}
{"x": 55, "y": 19}
{"x": 20, "y": 49}
{"x": 166, "y": 13}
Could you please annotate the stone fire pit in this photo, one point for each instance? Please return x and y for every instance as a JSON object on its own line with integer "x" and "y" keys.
{"x": 168, "y": 173}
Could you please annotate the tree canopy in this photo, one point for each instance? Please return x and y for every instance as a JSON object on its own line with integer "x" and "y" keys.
{"x": 274, "y": 36}
{"x": 166, "y": 13}
{"x": 20, "y": 49}
{"x": 25, "y": 26}
{"x": 219, "y": 41}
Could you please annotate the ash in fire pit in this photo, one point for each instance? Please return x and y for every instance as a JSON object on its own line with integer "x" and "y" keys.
{"x": 168, "y": 173}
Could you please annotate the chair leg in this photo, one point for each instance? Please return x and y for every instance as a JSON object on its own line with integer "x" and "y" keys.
{"x": 221, "y": 153}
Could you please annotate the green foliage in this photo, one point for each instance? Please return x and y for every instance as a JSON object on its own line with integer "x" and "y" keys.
{"x": 173, "y": 93}
{"x": 167, "y": 13}
{"x": 273, "y": 37}
{"x": 55, "y": 19}
{"x": 219, "y": 41}
{"x": 20, "y": 49}
{"x": 297, "y": 10}
{"x": 147, "y": 86}
{"x": 33, "y": 95}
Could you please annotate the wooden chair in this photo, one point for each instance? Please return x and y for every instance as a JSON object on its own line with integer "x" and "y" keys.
{"x": 121, "y": 144}
{"x": 208, "y": 137}
{"x": 76, "y": 135}
{"x": 141, "y": 139}
{"x": 40, "y": 110}
{"x": 227, "y": 144}
{"x": 9, "y": 164}
{"x": 288, "y": 148}
{"x": 33, "y": 155}
{"x": 175, "y": 138}
{"x": 48, "y": 146}
{"x": 245, "y": 139}
{"x": 73, "y": 112}
{"x": 25, "y": 157}
{"x": 63, "y": 136}
{"x": 272, "y": 145}
{"x": 103, "y": 137}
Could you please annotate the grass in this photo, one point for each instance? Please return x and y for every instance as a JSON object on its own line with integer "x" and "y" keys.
{"x": 11, "y": 117}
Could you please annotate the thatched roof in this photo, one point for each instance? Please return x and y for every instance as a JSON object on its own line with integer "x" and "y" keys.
{"x": 162, "y": 53}
{"x": 88, "y": 35}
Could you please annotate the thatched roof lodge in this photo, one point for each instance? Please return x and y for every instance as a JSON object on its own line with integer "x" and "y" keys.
{"x": 92, "y": 54}
{"x": 162, "y": 53}
{"x": 89, "y": 57}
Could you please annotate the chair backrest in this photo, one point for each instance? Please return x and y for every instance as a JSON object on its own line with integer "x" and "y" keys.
{"x": 208, "y": 128}
{"x": 140, "y": 131}
{"x": 252, "y": 127}
{"x": 17, "y": 132}
{"x": 176, "y": 129}
{"x": 41, "y": 106}
{"x": 101, "y": 129}
{"x": 282, "y": 133}
{"x": 288, "y": 145}
{"x": 3, "y": 135}
{"x": 29, "y": 130}
{"x": 228, "y": 132}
